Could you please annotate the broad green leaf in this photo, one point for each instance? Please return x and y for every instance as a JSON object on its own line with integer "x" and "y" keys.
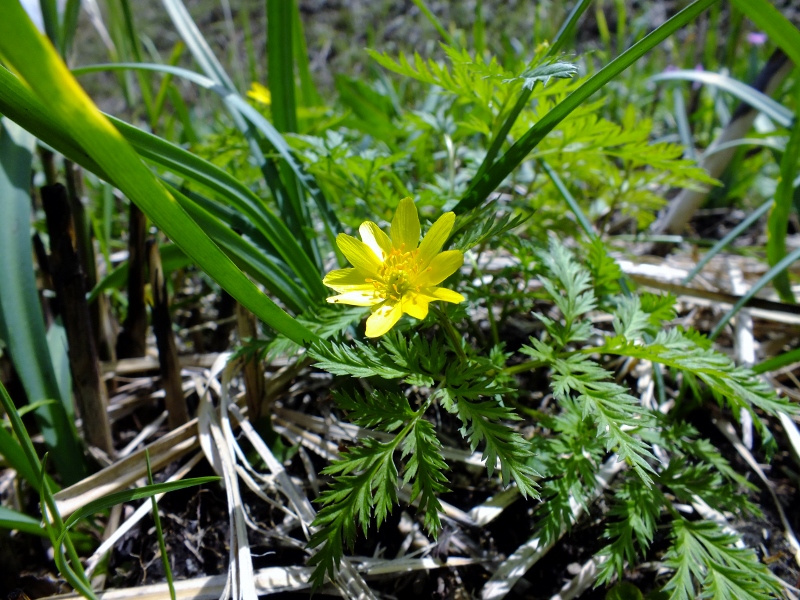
{"x": 782, "y": 208}
{"x": 280, "y": 64}
{"x": 11, "y": 519}
{"x": 21, "y": 322}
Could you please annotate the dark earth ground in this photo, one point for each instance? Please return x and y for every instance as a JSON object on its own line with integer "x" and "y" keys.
{"x": 195, "y": 523}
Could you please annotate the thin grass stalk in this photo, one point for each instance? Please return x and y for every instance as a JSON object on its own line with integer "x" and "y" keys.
{"x": 43, "y": 481}
{"x": 162, "y": 546}
{"x": 437, "y": 24}
{"x": 757, "y": 287}
{"x": 729, "y": 237}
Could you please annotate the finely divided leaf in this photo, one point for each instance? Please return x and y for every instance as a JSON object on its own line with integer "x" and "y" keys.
{"x": 426, "y": 468}
{"x": 705, "y": 556}
{"x": 365, "y": 479}
{"x": 481, "y": 423}
{"x": 358, "y": 360}
{"x": 381, "y": 410}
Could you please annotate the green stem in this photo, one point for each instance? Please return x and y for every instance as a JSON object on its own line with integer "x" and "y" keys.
{"x": 455, "y": 337}
{"x": 528, "y": 365}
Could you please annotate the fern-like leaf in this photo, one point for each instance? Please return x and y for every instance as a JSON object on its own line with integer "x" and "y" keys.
{"x": 544, "y": 73}
{"x": 482, "y": 423}
{"x": 703, "y": 555}
{"x": 739, "y": 386}
{"x": 426, "y": 468}
{"x": 385, "y": 411}
{"x": 635, "y": 512}
{"x": 365, "y": 480}
{"x": 358, "y": 360}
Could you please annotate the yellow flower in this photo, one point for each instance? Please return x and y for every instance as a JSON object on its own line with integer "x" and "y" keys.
{"x": 259, "y": 93}
{"x": 399, "y": 274}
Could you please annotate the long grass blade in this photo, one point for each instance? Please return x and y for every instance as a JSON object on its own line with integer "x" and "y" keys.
{"x": 43, "y": 485}
{"x": 52, "y": 27}
{"x": 140, "y": 493}
{"x": 181, "y": 162}
{"x": 283, "y": 181}
{"x": 18, "y": 103}
{"x": 777, "y": 362}
{"x": 14, "y": 455}
{"x": 11, "y": 519}
{"x": 280, "y": 64}
{"x": 238, "y": 104}
{"x": 481, "y": 187}
{"x": 46, "y": 74}
{"x": 434, "y": 20}
{"x": 268, "y": 270}
{"x": 757, "y": 287}
{"x": 162, "y": 546}
{"x": 69, "y": 25}
{"x": 566, "y": 31}
{"x": 729, "y": 237}
{"x": 782, "y": 208}
{"x": 583, "y": 221}
{"x": 309, "y": 96}
{"x": 197, "y": 44}
{"x": 758, "y": 100}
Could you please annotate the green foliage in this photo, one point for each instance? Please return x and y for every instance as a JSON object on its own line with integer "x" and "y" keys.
{"x": 366, "y": 481}
{"x": 634, "y": 513}
{"x": 385, "y": 411}
{"x": 478, "y": 226}
{"x": 702, "y": 554}
{"x": 357, "y": 360}
{"x": 739, "y": 387}
{"x": 426, "y": 469}
{"x": 464, "y": 130}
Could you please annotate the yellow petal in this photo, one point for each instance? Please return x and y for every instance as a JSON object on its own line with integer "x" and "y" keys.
{"x": 441, "y": 267}
{"x": 374, "y": 237}
{"x": 359, "y": 254}
{"x": 259, "y": 93}
{"x": 416, "y": 305}
{"x": 435, "y": 238}
{"x": 355, "y": 298}
{"x": 405, "y": 225}
{"x": 443, "y": 294}
{"x": 347, "y": 280}
{"x": 383, "y": 319}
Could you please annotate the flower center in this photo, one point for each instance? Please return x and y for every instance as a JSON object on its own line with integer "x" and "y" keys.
{"x": 397, "y": 274}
